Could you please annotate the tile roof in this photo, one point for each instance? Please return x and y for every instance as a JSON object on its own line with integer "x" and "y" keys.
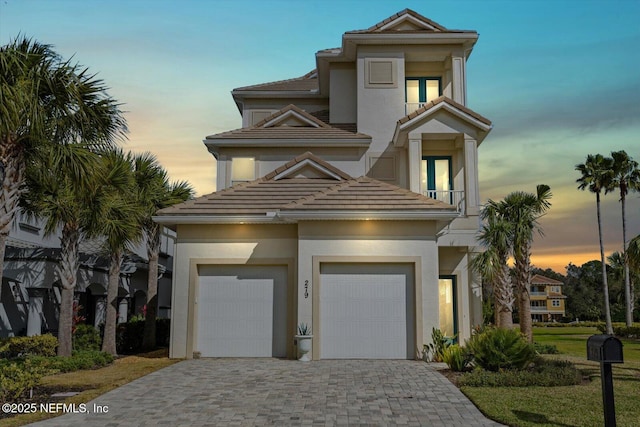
{"x": 435, "y": 27}
{"x": 542, "y": 280}
{"x": 277, "y": 192}
{"x": 444, "y": 99}
{"x": 306, "y": 83}
{"x": 310, "y": 127}
{"x": 367, "y": 194}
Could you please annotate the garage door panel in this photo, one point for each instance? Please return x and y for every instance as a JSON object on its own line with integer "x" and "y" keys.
{"x": 366, "y": 311}
{"x": 242, "y": 311}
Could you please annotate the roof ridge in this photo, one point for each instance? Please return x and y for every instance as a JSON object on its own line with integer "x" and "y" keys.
{"x": 307, "y": 76}
{"x": 397, "y": 15}
{"x": 317, "y": 194}
{"x": 283, "y": 111}
{"x": 302, "y": 157}
{"x": 439, "y": 100}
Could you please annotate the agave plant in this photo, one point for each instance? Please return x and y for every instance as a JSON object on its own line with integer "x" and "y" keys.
{"x": 304, "y": 329}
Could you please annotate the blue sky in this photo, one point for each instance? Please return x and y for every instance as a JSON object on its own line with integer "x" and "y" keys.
{"x": 559, "y": 79}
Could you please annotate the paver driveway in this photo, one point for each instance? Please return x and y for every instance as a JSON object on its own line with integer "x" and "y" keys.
{"x": 221, "y": 392}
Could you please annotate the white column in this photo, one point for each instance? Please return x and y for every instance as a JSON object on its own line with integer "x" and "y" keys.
{"x": 415, "y": 156}
{"x": 458, "y": 68}
{"x": 123, "y": 310}
{"x": 100, "y": 310}
{"x": 221, "y": 172}
{"x": 472, "y": 192}
{"x": 34, "y": 319}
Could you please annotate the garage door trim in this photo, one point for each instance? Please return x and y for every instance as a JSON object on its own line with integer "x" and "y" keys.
{"x": 318, "y": 260}
{"x": 195, "y": 263}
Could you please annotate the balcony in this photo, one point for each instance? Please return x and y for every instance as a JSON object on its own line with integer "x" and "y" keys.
{"x": 539, "y": 308}
{"x": 537, "y": 294}
{"x": 452, "y": 197}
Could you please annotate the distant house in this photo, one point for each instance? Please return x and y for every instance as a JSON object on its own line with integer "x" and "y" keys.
{"x": 30, "y": 294}
{"x": 547, "y": 301}
{"x": 348, "y": 200}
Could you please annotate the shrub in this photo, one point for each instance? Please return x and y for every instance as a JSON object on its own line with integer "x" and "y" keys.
{"x": 545, "y": 373}
{"x": 130, "y": 335}
{"x": 86, "y": 338}
{"x": 496, "y": 349}
{"x": 434, "y": 351}
{"x": 16, "y": 378}
{"x": 627, "y": 331}
{"x": 620, "y": 329}
{"x": 545, "y": 348}
{"x": 80, "y": 360}
{"x": 457, "y": 358}
{"x": 37, "y": 345}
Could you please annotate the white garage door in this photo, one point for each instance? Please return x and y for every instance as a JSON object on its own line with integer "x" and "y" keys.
{"x": 242, "y": 311}
{"x": 367, "y": 311}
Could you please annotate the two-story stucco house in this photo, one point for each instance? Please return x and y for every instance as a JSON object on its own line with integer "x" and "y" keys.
{"x": 348, "y": 200}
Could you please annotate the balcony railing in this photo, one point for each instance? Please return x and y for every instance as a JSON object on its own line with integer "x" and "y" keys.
{"x": 539, "y": 294}
{"x": 539, "y": 308}
{"x": 452, "y": 197}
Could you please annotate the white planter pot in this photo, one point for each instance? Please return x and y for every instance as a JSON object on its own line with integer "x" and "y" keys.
{"x": 304, "y": 347}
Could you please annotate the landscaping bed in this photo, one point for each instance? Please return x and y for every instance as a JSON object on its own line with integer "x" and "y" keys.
{"x": 578, "y": 405}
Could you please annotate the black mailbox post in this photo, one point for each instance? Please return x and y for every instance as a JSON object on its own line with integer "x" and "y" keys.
{"x": 606, "y": 349}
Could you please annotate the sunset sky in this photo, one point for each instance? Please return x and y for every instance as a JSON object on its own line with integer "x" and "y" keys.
{"x": 559, "y": 79}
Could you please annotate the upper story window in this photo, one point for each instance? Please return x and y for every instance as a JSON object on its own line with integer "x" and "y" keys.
{"x": 243, "y": 169}
{"x": 436, "y": 178}
{"x": 420, "y": 90}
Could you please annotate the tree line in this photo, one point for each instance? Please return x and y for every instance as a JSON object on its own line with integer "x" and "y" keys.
{"x": 60, "y": 162}
{"x": 610, "y": 174}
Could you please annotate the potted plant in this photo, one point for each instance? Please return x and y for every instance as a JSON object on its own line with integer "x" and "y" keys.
{"x": 304, "y": 341}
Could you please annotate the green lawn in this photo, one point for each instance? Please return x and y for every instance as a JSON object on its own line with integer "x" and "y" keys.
{"x": 579, "y": 406}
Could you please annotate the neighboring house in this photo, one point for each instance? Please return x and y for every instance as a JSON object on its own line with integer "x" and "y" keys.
{"x": 348, "y": 200}
{"x": 30, "y": 294}
{"x": 547, "y": 301}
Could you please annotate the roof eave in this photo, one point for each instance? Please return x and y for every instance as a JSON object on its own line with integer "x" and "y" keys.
{"x": 367, "y": 215}
{"x": 172, "y": 220}
{"x": 294, "y": 142}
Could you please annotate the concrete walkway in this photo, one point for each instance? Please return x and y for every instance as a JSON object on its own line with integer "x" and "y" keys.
{"x": 246, "y": 392}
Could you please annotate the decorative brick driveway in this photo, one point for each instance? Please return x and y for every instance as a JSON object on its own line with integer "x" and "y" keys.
{"x": 245, "y": 392}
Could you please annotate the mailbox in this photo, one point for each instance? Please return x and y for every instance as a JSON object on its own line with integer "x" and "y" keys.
{"x": 604, "y": 349}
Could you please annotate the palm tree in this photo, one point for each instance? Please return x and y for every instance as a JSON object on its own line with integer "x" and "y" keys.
{"x": 120, "y": 225}
{"x": 596, "y": 174}
{"x": 154, "y": 192}
{"x": 66, "y": 203}
{"x": 626, "y": 177}
{"x": 496, "y": 236}
{"x": 633, "y": 254}
{"x": 46, "y": 102}
{"x": 523, "y": 210}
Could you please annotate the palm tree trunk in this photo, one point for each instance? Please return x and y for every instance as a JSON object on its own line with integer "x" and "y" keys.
{"x": 523, "y": 273}
{"x": 11, "y": 174}
{"x": 109, "y": 340}
{"x": 505, "y": 298}
{"x": 153, "y": 250}
{"x": 605, "y": 284}
{"x": 627, "y": 284}
{"x": 67, "y": 271}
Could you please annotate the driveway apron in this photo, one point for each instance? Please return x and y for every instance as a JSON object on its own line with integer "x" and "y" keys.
{"x": 247, "y": 392}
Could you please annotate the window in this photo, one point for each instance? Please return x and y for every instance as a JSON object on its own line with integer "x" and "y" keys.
{"x": 448, "y": 307}
{"x": 555, "y": 303}
{"x": 555, "y": 289}
{"x": 243, "y": 169}
{"x": 435, "y": 177}
{"x": 420, "y": 90}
